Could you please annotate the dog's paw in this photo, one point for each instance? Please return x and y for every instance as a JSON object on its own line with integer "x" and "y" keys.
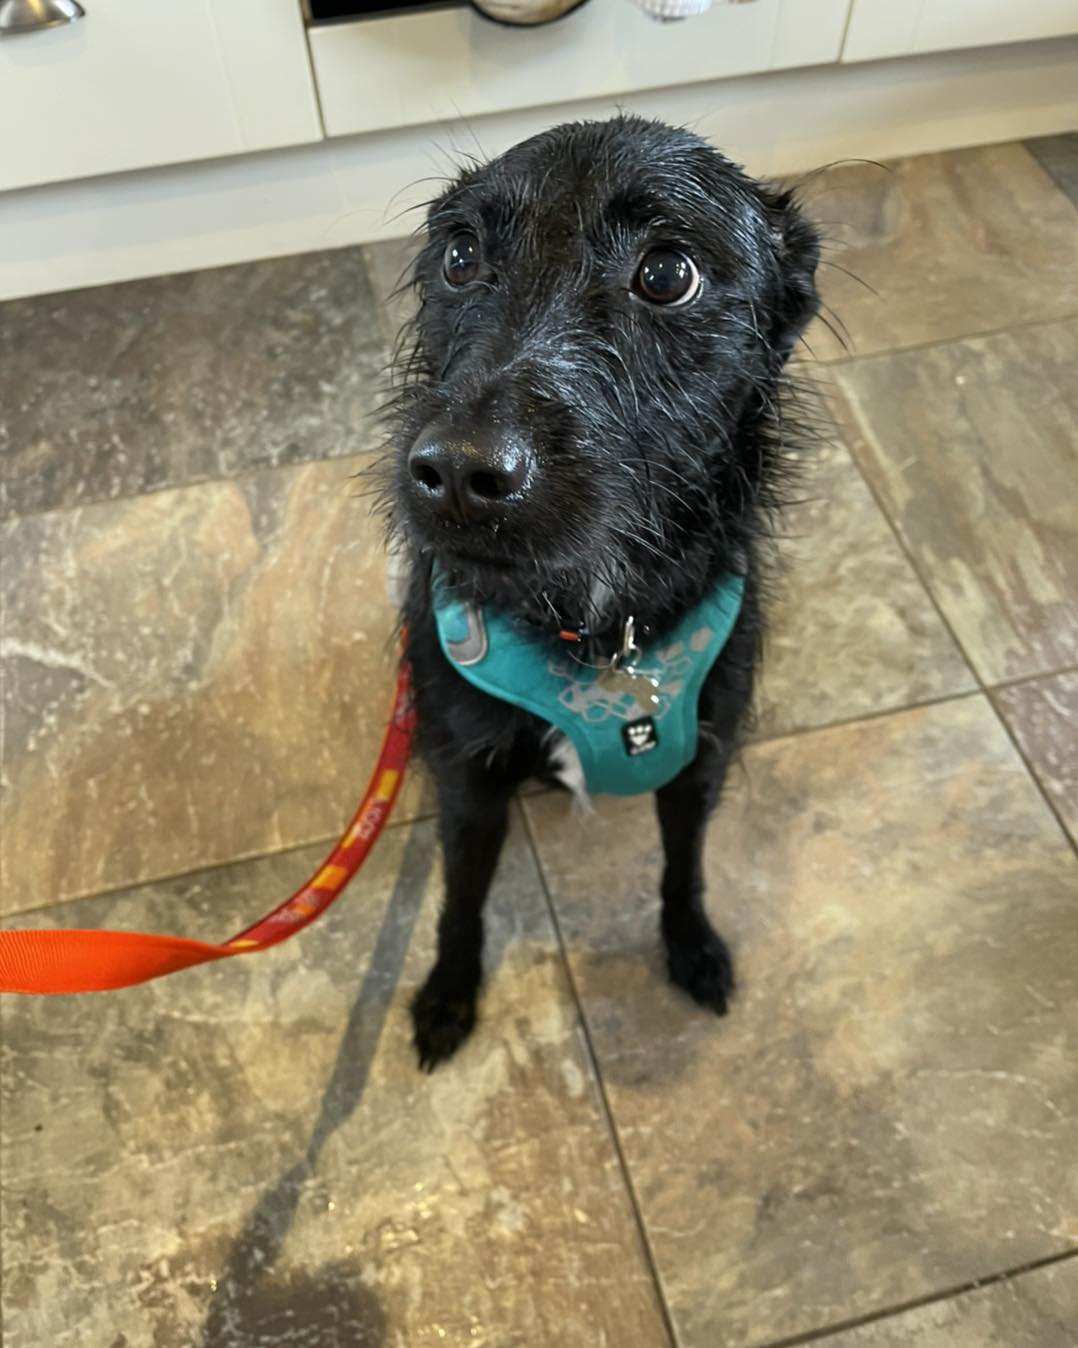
{"x": 702, "y": 966}
{"x": 441, "y": 1022}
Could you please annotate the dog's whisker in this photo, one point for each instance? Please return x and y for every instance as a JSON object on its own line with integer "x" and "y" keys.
{"x": 836, "y": 266}
{"x": 840, "y": 337}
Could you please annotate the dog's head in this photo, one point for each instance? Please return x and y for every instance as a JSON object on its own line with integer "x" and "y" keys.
{"x": 591, "y": 408}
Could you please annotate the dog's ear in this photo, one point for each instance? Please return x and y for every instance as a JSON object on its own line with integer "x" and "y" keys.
{"x": 796, "y": 246}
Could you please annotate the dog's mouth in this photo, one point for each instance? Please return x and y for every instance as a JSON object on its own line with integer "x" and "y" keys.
{"x": 461, "y": 558}
{"x": 479, "y": 551}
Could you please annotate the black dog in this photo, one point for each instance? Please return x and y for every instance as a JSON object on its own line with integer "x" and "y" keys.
{"x": 590, "y": 428}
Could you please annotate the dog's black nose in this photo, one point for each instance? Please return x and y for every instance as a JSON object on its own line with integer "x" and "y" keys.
{"x": 469, "y": 479}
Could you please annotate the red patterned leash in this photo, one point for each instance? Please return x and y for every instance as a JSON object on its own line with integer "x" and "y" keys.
{"x": 95, "y": 961}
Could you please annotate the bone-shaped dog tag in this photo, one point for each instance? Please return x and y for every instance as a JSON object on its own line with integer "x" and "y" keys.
{"x": 622, "y": 680}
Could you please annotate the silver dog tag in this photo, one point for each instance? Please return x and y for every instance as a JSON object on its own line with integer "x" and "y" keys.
{"x": 619, "y": 681}
{"x": 621, "y": 678}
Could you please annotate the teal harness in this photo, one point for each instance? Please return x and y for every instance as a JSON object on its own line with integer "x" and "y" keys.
{"x": 627, "y": 743}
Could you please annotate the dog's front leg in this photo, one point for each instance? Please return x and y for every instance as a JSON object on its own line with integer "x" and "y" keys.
{"x": 474, "y": 813}
{"x": 697, "y": 957}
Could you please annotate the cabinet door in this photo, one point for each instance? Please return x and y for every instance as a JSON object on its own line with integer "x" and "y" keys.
{"x": 441, "y": 64}
{"x": 893, "y": 28}
{"x": 143, "y": 82}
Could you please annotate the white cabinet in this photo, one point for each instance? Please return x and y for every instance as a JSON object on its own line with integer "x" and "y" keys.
{"x": 144, "y": 82}
{"x": 881, "y": 28}
{"x": 446, "y": 63}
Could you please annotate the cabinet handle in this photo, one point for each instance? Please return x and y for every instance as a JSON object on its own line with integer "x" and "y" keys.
{"x": 30, "y": 16}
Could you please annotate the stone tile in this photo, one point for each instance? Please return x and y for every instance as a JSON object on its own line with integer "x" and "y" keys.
{"x": 1058, "y": 156}
{"x": 890, "y": 1107}
{"x": 129, "y": 388}
{"x": 192, "y": 676}
{"x": 972, "y": 449}
{"x": 942, "y": 246}
{"x": 1043, "y": 717}
{"x": 388, "y": 263}
{"x": 850, "y": 627}
{"x": 246, "y": 1155}
{"x": 1035, "y": 1310}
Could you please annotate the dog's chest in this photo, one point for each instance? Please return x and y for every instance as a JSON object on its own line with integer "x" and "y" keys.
{"x": 621, "y": 736}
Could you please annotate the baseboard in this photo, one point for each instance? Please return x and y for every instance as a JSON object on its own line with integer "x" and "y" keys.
{"x": 356, "y": 189}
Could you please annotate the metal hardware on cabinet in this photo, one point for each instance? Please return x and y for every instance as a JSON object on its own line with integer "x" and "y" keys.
{"x": 31, "y": 16}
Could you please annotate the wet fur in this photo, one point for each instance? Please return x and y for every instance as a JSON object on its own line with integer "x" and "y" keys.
{"x": 662, "y": 439}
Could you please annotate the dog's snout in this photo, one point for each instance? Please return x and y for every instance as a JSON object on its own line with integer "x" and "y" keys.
{"x": 469, "y": 478}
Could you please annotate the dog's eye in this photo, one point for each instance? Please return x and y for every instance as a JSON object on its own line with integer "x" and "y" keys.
{"x": 462, "y": 259}
{"x": 666, "y": 276}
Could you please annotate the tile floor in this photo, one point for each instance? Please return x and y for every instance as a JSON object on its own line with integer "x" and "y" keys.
{"x": 876, "y": 1148}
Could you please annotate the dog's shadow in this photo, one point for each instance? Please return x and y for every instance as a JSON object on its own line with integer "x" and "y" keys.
{"x": 325, "y": 1308}
{"x": 256, "y": 1299}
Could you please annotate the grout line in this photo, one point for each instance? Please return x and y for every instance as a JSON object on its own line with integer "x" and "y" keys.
{"x": 797, "y": 732}
{"x": 984, "y": 688}
{"x": 1019, "y": 748}
{"x": 209, "y": 479}
{"x": 858, "y": 357}
{"x": 1004, "y": 684}
{"x": 600, "y": 1086}
{"x": 1031, "y": 770}
{"x": 929, "y": 1299}
{"x": 207, "y": 868}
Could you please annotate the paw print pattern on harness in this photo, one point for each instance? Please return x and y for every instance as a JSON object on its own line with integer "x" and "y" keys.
{"x": 587, "y": 698}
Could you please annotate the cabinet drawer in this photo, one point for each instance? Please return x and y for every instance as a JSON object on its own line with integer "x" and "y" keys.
{"x": 880, "y": 28}
{"x": 143, "y": 82}
{"x": 441, "y": 64}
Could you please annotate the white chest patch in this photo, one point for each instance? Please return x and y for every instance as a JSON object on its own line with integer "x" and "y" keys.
{"x": 568, "y": 768}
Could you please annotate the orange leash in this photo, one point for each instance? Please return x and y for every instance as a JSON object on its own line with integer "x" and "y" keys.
{"x": 95, "y": 961}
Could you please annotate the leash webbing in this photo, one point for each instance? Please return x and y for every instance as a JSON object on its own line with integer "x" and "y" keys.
{"x": 54, "y": 961}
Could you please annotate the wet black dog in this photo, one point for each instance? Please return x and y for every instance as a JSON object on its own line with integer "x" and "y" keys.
{"x": 591, "y": 426}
